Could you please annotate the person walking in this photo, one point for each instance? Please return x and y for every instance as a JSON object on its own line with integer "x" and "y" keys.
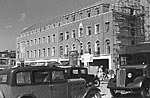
{"x": 100, "y": 73}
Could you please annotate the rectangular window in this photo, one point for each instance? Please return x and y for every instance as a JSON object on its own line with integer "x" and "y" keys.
{"x": 89, "y": 31}
{"x": 61, "y": 36}
{"x": 28, "y": 43}
{"x": 41, "y": 76}
{"x": 44, "y": 52}
{"x": 57, "y": 76}
{"x": 97, "y": 28}
{"x": 48, "y": 39}
{"x": 23, "y": 78}
{"x": 53, "y": 38}
{"x": 67, "y": 35}
{"x": 35, "y": 42}
{"x": 39, "y": 41}
{"x": 53, "y": 51}
{"x": 35, "y": 53}
{"x": 44, "y": 40}
{"x": 48, "y": 52}
{"x": 28, "y": 55}
{"x": 73, "y": 33}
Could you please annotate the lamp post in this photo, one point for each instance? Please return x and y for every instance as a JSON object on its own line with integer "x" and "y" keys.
{"x": 79, "y": 51}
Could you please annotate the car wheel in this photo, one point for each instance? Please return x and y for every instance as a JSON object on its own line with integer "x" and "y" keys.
{"x": 114, "y": 93}
{"x": 97, "y": 83}
{"x": 93, "y": 94}
{"x": 145, "y": 91}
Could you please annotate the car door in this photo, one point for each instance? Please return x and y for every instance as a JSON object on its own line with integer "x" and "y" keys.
{"x": 59, "y": 85}
{"x": 42, "y": 84}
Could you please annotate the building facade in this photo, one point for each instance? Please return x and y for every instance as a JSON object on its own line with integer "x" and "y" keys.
{"x": 103, "y": 30}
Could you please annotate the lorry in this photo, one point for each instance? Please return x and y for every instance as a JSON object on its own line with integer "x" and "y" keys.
{"x": 43, "y": 82}
{"x": 133, "y": 75}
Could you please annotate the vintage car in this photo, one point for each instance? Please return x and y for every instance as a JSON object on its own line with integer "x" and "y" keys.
{"x": 82, "y": 72}
{"x": 133, "y": 75}
{"x": 43, "y": 82}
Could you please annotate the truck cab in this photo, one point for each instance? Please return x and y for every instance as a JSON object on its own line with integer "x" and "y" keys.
{"x": 43, "y": 82}
{"x": 133, "y": 75}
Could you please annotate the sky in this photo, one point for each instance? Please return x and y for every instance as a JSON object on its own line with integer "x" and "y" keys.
{"x": 16, "y": 15}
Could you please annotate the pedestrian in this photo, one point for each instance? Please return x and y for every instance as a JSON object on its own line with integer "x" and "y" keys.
{"x": 100, "y": 72}
{"x": 106, "y": 74}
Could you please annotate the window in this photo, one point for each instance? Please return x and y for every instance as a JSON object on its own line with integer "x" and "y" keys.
{"x": 44, "y": 52}
{"x": 73, "y": 18}
{"x": 39, "y": 41}
{"x": 35, "y": 41}
{"x": 53, "y": 38}
{"x": 80, "y": 32}
{"x": 57, "y": 76}
{"x": 107, "y": 26}
{"x": 107, "y": 46}
{"x": 23, "y": 78}
{"x": 48, "y": 51}
{"x": 132, "y": 42}
{"x": 35, "y": 53}
{"x": 73, "y": 47}
{"x": 97, "y": 47}
{"x": 97, "y": 28}
{"x": 31, "y": 54}
{"x": 53, "y": 51}
{"x": 89, "y": 30}
{"x": 28, "y": 54}
{"x": 89, "y": 13}
{"x": 66, "y": 50}
{"x": 67, "y": 35}
{"x": 31, "y": 43}
{"x": 28, "y": 43}
{"x": 61, "y": 36}
{"x": 89, "y": 47}
{"x": 39, "y": 54}
{"x": 97, "y": 11}
{"x": 41, "y": 76}
{"x": 73, "y": 33}
{"x": 81, "y": 48}
{"x": 48, "y": 39}
{"x": 18, "y": 45}
{"x": 61, "y": 51}
{"x": 44, "y": 40}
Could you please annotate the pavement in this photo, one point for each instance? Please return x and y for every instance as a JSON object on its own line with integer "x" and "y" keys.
{"x": 105, "y": 93}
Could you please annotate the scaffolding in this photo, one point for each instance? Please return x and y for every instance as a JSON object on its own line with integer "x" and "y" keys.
{"x": 128, "y": 24}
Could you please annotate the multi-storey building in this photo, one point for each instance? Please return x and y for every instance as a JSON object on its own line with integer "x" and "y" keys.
{"x": 103, "y": 29}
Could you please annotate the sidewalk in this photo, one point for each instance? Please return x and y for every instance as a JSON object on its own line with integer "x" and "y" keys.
{"x": 104, "y": 90}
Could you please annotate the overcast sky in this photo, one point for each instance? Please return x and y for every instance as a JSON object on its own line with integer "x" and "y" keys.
{"x": 15, "y": 15}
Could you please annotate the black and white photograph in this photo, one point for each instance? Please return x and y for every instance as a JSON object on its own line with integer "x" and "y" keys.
{"x": 75, "y": 49}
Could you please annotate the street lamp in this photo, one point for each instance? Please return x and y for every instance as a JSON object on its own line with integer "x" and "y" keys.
{"x": 79, "y": 51}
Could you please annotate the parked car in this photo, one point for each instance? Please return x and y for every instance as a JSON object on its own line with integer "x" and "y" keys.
{"x": 43, "y": 82}
{"x": 82, "y": 72}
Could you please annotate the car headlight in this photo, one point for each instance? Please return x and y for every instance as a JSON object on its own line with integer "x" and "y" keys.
{"x": 129, "y": 75}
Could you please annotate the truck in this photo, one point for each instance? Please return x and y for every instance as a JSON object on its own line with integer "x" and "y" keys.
{"x": 43, "y": 82}
{"x": 133, "y": 74}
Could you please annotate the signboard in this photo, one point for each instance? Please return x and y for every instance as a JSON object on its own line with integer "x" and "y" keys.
{"x": 73, "y": 58}
{"x": 87, "y": 58}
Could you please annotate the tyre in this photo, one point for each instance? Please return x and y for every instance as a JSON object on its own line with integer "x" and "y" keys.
{"x": 145, "y": 91}
{"x": 114, "y": 93}
{"x": 97, "y": 83}
{"x": 93, "y": 94}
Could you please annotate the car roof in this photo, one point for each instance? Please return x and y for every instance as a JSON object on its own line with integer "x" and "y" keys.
{"x": 32, "y": 68}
